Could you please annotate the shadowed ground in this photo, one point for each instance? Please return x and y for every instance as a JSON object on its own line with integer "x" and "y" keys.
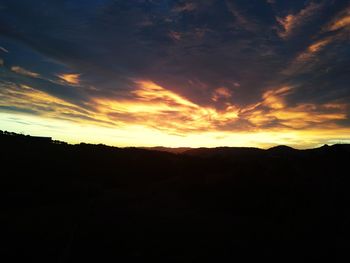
{"x": 76, "y": 203}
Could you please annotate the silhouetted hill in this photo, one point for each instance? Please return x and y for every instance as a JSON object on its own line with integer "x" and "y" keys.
{"x": 168, "y": 149}
{"x": 281, "y": 149}
{"x": 78, "y": 203}
{"x": 223, "y": 152}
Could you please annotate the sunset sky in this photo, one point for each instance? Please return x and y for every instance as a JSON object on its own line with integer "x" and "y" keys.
{"x": 177, "y": 73}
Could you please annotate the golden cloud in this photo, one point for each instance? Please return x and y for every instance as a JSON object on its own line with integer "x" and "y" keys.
{"x": 152, "y": 109}
{"x": 274, "y": 110}
{"x": 70, "y": 78}
{"x": 155, "y": 106}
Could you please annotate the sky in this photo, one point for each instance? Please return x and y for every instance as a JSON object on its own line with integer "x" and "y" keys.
{"x": 194, "y": 73}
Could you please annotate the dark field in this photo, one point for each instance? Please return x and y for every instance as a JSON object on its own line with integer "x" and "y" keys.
{"x": 78, "y": 203}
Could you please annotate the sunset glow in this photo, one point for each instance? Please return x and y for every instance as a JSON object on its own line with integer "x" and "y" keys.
{"x": 169, "y": 79}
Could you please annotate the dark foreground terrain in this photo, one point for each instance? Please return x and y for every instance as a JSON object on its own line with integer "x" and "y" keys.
{"x": 79, "y": 203}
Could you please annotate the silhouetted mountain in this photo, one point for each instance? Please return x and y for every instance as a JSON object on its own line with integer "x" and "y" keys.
{"x": 78, "y": 203}
{"x": 168, "y": 149}
{"x": 282, "y": 149}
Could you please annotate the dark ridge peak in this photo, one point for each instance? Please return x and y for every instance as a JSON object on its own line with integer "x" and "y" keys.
{"x": 342, "y": 147}
{"x": 281, "y": 148}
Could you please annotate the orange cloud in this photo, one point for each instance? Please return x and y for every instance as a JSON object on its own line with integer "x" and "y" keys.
{"x": 70, "y": 78}
{"x": 342, "y": 21}
{"x": 155, "y": 106}
{"x": 287, "y": 23}
{"x": 317, "y": 46}
{"x": 221, "y": 93}
{"x": 273, "y": 109}
{"x": 312, "y": 50}
{"x": 152, "y": 109}
{"x": 274, "y": 99}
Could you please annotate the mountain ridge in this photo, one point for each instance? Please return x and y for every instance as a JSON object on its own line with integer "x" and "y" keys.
{"x": 177, "y": 150}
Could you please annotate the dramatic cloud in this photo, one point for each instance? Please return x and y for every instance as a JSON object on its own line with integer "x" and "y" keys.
{"x": 210, "y": 70}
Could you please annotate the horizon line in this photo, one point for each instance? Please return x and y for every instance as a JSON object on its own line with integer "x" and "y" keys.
{"x": 5, "y": 132}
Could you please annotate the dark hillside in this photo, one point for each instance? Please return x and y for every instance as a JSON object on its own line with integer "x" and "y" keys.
{"x": 76, "y": 203}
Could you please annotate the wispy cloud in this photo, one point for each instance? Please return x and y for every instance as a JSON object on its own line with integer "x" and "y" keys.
{"x": 342, "y": 21}
{"x": 25, "y": 99}
{"x": 3, "y": 49}
{"x": 274, "y": 112}
{"x": 241, "y": 20}
{"x": 175, "y": 35}
{"x": 185, "y": 7}
{"x": 292, "y": 22}
{"x": 312, "y": 50}
{"x": 25, "y": 72}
